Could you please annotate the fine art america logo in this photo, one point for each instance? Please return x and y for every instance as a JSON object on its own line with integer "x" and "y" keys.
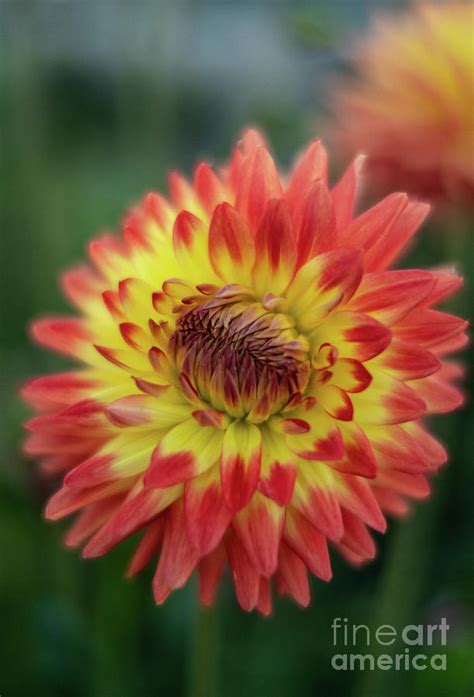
{"x": 360, "y": 648}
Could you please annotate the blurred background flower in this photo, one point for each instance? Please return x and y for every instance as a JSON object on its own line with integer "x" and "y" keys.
{"x": 97, "y": 102}
{"x": 409, "y": 102}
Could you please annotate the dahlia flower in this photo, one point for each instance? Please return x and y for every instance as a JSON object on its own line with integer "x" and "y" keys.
{"x": 410, "y": 106}
{"x": 253, "y": 378}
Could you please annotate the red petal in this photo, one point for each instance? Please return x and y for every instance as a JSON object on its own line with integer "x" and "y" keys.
{"x": 279, "y": 482}
{"x": 68, "y": 500}
{"x": 430, "y": 328}
{"x": 311, "y": 166}
{"x": 396, "y": 448}
{"x": 359, "y": 500}
{"x": 336, "y": 402}
{"x": 210, "y": 570}
{"x": 317, "y": 232}
{"x": 413, "y": 485}
{"x": 186, "y": 226}
{"x": 345, "y": 192}
{"x": 390, "y": 295}
{"x": 439, "y": 396}
{"x": 357, "y": 537}
{"x": 293, "y": 572}
{"x": 432, "y": 449}
{"x": 95, "y": 470}
{"x": 319, "y": 504}
{"x": 90, "y": 519}
{"x": 327, "y": 447}
{"x": 137, "y": 510}
{"x": 58, "y": 390}
{"x": 178, "y": 556}
{"x": 208, "y": 187}
{"x": 207, "y": 516}
{"x": 264, "y": 605}
{"x": 182, "y": 194}
{"x": 147, "y": 547}
{"x": 81, "y": 284}
{"x": 63, "y": 334}
{"x": 308, "y": 543}
{"x": 258, "y": 184}
{"x": 245, "y": 576}
{"x": 358, "y": 456}
{"x": 446, "y": 284}
{"x": 259, "y": 527}
{"x": 396, "y": 236}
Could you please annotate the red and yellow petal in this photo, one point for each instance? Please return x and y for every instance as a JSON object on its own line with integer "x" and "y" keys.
{"x": 186, "y": 451}
{"x": 275, "y": 250}
{"x": 259, "y": 527}
{"x": 231, "y": 246}
{"x": 240, "y": 463}
{"x": 322, "y": 284}
{"x": 207, "y": 515}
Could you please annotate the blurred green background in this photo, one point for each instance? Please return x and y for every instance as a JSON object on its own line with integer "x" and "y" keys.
{"x": 97, "y": 101}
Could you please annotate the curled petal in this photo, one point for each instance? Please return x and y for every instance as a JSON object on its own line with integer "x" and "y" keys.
{"x": 355, "y": 334}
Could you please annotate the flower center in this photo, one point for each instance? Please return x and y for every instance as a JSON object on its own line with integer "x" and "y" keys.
{"x": 240, "y": 357}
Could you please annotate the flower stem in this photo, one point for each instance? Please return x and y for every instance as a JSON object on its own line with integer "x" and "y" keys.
{"x": 202, "y": 678}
